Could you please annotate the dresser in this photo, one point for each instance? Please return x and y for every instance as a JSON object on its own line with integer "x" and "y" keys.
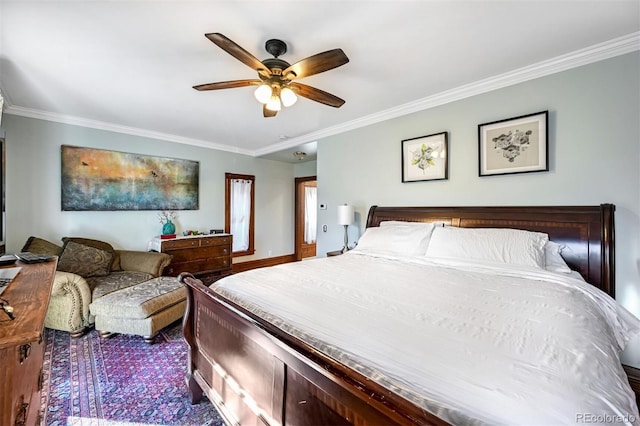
{"x": 208, "y": 257}
{"x": 22, "y": 343}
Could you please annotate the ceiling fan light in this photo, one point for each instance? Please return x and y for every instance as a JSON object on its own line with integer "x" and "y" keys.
{"x": 263, "y": 93}
{"x": 274, "y": 104}
{"x": 288, "y": 97}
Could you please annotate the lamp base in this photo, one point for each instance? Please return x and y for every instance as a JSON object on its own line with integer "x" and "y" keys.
{"x": 346, "y": 240}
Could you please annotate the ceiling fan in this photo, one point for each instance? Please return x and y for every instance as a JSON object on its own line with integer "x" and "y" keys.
{"x": 276, "y": 85}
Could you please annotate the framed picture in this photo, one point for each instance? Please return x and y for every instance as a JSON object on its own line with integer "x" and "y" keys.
{"x": 425, "y": 158}
{"x": 96, "y": 179}
{"x": 514, "y": 145}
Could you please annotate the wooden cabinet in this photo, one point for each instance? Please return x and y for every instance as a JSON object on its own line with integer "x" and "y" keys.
{"x": 208, "y": 257}
{"x": 22, "y": 344}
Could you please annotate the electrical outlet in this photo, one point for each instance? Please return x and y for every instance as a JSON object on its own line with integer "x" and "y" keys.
{"x": 324, "y": 228}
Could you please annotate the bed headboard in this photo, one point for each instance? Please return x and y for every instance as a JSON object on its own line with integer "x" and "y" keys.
{"x": 586, "y": 231}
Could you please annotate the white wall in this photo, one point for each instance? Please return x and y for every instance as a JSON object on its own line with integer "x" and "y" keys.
{"x": 594, "y": 132}
{"x": 307, "y": 168}
{"x": 33, "y": 190}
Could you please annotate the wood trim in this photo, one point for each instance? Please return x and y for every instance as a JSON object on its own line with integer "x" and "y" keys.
{"x": 633, "y": 375}
{"x": 299, "y": 215}
{"x": 227, "y": 210}
{"x": 261, "y": 263}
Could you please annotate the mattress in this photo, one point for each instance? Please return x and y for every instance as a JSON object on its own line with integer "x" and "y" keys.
{"x": 471, "y": 342}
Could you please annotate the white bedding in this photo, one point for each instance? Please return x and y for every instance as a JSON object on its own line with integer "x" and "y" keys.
{"x": 470, "y": 342}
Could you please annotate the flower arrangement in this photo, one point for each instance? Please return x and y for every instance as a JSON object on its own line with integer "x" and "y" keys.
{"x": 167, "y": 216}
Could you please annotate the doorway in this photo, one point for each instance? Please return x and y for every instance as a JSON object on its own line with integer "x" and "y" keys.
{"x": 306, "y": 204}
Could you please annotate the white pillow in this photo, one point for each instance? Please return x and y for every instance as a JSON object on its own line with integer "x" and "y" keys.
{"x": 511, "y": 246}
{"x": 553, "y": 260}
{"x": 401, "y": 223}
{"x": 397, "y": 239}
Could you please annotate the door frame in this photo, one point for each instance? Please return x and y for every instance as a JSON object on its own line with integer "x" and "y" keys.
{"x": 299, "y": 214}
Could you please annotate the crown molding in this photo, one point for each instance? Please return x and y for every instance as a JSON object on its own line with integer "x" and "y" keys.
{"x": 100, "y": 125}
{"x": 609, "y": 49}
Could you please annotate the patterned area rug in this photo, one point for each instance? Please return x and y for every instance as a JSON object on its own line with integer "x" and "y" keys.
{"x": 119, "y": 381}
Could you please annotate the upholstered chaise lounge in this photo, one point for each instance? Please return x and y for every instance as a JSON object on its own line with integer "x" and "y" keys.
{"x": 88, "y": 270}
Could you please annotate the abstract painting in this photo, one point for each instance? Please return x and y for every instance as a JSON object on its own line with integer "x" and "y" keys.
{"x": 96, "y": 179}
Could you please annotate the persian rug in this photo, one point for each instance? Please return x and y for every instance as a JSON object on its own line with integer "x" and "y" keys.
{"x": 119, "y": 381}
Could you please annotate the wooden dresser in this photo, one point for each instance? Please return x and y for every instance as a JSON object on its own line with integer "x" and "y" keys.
{"x": 22, "y": 343}
{"x": 208, "y": 257}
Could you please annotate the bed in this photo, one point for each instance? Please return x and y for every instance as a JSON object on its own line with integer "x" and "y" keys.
{"x": 257, "y": 367}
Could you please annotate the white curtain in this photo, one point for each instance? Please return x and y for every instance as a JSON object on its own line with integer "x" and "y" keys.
{"x": 310, "y": 214}
{"x": 240, "y": 213}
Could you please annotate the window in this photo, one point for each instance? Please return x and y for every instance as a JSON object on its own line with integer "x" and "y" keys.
{"x": 239, "y": 212}
{"x": 310, "y": 213}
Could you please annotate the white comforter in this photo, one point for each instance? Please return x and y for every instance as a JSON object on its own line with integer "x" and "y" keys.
{"x": 471, "y": 343}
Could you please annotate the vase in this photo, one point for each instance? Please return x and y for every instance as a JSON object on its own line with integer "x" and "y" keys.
{"x": 168, "y": 228}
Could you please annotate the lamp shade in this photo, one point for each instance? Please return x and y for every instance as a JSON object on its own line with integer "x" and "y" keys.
{"x": 345, "y": 215}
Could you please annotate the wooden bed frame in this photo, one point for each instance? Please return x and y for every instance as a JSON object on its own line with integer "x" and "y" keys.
{"x": 256, "y": 374}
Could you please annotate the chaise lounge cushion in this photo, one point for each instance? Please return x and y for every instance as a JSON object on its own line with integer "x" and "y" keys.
{"x": 115, "y": 281}
{"x": 141, "y": 301}
{"x": 84, "y": 260}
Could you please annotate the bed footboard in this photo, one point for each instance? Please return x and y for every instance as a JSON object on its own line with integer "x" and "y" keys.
{"x": 255, "y": 377}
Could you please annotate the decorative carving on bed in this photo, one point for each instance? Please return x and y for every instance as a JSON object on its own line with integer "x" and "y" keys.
{"x": 586, "y": 231}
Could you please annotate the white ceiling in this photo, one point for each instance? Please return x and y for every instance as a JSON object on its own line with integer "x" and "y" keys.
{"x": 129, "y": 66}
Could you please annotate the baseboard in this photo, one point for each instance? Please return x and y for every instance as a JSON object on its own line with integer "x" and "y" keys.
{"x": 633, "y": 374}
{"x": 261, "y": 263}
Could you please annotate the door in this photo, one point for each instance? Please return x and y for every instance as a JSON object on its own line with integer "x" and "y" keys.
{"x": 306, "y": 201}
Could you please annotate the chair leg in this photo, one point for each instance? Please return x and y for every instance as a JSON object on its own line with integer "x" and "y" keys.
{"x": 150, "y": 339}
{"x": 106, "y": 334}
{"x": 78, "y": 333}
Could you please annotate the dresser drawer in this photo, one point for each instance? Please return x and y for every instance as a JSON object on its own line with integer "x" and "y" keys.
{"x": 186, "y": 255}
{"x": 180, "y": 244}
{"x": 201, "y": 265}
{"x": 215, "y": 241}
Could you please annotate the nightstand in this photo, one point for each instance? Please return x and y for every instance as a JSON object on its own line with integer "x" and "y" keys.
{"x": 334, "y": 253}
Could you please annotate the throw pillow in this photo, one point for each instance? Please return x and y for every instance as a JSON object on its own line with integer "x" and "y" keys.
{"x": 84, "y": 260}
{"x": 39, "y": 246}
{"x": 115, "y": 266}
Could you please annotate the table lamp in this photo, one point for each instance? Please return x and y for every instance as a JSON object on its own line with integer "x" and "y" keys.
{"x": 345, "y": 217}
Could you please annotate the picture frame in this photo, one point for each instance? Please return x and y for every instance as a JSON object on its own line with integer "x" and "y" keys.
{"x": 102, "y": 180}
{"x": 425, "y": 158}
{"x": 514, "y": 145}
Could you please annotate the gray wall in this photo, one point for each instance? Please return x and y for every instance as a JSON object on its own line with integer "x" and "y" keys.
{"x": 33, "y": 190}
{"x": 594, "y": 133}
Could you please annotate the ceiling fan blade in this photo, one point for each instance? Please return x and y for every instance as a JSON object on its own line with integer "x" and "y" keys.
{"x": 238, "y": 52}
{"x": 267, "y": 112}
{"x": 316, "y": 95}
{"x": 228, "y": 84}
{"x": 316, "y": 64}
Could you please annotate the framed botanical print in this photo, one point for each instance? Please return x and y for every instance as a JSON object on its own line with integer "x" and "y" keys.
{"x": 425, "y": 158}
{"x": 514, "y": 145}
